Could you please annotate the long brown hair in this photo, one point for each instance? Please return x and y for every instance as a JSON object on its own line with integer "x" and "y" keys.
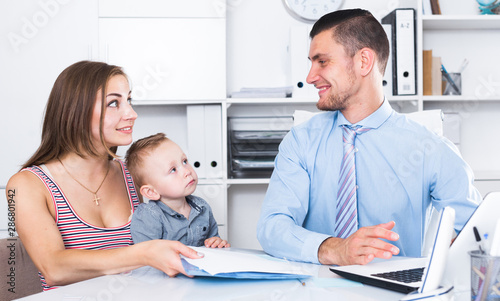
{"x": 69, "y": 110}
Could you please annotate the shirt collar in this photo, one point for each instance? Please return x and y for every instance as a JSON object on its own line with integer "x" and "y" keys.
{"x": 373, "y": 121}
{"x": 191, "y": 200}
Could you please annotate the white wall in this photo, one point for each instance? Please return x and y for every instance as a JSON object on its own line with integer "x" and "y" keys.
{"x": 25, "y": 27}
{"x": 258, "y": 34}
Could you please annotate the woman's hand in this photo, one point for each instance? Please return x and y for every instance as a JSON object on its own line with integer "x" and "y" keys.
{"x": 164, "y": 255}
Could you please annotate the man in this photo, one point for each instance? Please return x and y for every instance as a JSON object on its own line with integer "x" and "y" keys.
{"x": 325, "y": 207}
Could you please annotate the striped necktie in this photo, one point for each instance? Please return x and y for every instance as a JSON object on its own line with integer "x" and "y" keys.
{"x": 347, "y": 213}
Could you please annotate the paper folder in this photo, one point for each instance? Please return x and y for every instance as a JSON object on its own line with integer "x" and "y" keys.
{"x": 204, "y": 132}
{"x": 243, "y": 264}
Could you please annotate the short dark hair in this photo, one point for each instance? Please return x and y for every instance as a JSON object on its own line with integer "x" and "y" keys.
{"x": 355, "y": 29}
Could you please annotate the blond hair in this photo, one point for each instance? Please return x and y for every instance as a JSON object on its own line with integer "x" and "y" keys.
{"x": 134, "y": 157}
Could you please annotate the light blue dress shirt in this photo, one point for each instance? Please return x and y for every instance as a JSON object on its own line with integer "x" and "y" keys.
{"x": 402, "y": 170}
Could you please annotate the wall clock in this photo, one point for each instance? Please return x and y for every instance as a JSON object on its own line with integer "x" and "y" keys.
{"x": 311, "y": 10}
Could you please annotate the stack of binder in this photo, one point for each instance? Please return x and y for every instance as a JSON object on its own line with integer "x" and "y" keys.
{"x": 253, "y": 144}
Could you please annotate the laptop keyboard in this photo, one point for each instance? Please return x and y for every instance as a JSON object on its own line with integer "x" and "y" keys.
{"x": 406, "y": 276}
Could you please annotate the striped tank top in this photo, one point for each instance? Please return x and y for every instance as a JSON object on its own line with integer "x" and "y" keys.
{"x": 78, "y": 234}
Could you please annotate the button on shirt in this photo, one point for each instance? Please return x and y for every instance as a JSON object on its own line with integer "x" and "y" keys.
{"x": 402, "y": 170}
{"x": 155, "y": 220}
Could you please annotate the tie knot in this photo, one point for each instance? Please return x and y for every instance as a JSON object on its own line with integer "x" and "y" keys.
{"x": 350, "y": 132}
{"x": 358, "y": 129}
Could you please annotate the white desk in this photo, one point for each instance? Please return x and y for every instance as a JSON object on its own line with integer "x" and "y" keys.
{"x": 155, "y": 285}
{"x": 129, "y": 287}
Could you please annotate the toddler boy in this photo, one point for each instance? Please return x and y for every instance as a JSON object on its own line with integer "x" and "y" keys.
{"x": 162, "y": 174}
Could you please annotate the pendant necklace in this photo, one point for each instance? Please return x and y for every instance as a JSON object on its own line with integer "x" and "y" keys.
{"x": 96, "y": 198}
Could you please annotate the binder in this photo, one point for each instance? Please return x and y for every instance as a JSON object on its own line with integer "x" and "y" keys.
{"x": 204, "y": 130}
{"x": 299, "y": 64}
{"x": 213, "y": 141}
{"x": 437, "y": 82}
{"x": 436, "y": 8}
{"x": 387, "y": 79}
{"x": 196, "y": 138}
{"x": 404, "y": 67}
{"x": 427, "y": 70}
{"x": 426, "y": 7}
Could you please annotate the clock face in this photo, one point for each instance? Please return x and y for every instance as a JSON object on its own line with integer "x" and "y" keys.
{"x": 311, "y": 10}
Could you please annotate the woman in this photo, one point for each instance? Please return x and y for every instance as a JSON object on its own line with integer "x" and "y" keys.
{"x": 74, "y": 198}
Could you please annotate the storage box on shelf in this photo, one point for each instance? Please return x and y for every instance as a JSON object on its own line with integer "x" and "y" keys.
{"x": 253, "y": 144}
{"x": 255, "y": 127}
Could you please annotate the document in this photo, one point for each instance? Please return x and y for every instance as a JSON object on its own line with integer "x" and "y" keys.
{"x": 244, "y": 264}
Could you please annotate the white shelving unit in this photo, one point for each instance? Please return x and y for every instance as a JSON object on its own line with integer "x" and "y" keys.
{"x": 456, "y": 35}
{"x": 460, "y": 22}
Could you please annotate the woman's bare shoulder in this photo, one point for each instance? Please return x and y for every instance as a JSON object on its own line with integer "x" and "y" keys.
{"x": 23, "y": 177}
{"x": 27, "y": 182}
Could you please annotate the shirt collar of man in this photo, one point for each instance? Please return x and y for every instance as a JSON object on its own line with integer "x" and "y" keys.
{"x": 374, "y": 121}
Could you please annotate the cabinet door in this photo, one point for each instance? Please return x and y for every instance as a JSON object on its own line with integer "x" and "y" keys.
{"x": 39, "y": 40}
{"x": 214, "y": 194}
{"x": 168, "y": 58}
{"x": 163, "y": 8}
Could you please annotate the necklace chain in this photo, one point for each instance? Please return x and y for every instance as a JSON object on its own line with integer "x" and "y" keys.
{"x": 96, "y": 198}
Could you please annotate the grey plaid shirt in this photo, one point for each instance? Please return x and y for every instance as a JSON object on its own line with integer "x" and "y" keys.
{"x": 155, "y": 220}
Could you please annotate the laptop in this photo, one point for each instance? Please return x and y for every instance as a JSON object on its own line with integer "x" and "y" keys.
{"x": 444, "y": 266}
{"x": 408, "y": 274}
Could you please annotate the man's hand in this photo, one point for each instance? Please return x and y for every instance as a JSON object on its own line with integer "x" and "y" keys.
{"x": 361, "y": 247}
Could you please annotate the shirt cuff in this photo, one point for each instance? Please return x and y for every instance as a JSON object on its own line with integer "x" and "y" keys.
{"x": 311, "y": 247}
